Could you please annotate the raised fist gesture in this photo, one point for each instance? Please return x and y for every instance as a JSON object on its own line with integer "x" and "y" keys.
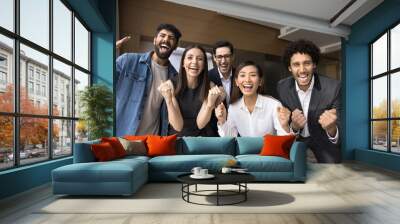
{"x": 327, "y": 120}
{"x": 167, "y": 90}
{"x": 120, "y": 42}
{"x": 213, "y": 94}
{"x": 298, "y": 120}
{"x": 220, "y": 113}
{"x": 284, "y": 116}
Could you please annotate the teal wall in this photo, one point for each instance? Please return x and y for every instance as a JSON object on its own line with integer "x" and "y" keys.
{"x": 99, "y": 16}
{"x": 355, "y": 52}
{"x": 24, "y": 178}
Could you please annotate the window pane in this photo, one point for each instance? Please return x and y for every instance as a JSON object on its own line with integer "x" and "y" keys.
{"x": 379, "y": 97}
{"x": 81, "y": 45}
{"x": 379, "y": 135}
{"x": 395, "y": 47}
{"x": 395, "y": 95}
{"x": 34, "y": 72}
{"x": 7, "y": 14}
{"x": 33, "y": 139}
{"x": 379, "y": 55}
{"x": 395, "y": 136}
{"x": 62, "y": 29}
{"x": 35, "y": 21}
{"x": 6, "y": 142}
{"x": 6, "y": 74}
{"x": 62, "y": 89}
{"x": 81, "y": 81}
{"x": 81, "y": 131}
{"x": 62, "y": 133}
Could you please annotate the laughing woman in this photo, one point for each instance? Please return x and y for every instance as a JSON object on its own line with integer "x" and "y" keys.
{"x": 250, "y": 113}
{"x": 190, "y": 97}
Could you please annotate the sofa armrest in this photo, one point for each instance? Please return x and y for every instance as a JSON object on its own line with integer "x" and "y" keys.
{"x": 83, "y": 153}
{"x": 299, "y": 159}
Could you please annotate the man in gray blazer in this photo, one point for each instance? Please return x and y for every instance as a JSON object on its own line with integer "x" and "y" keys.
{"x": 314, "y": 101}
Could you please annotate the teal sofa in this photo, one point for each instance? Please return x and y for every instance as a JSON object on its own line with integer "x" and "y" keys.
{"x": 125, "y": 176}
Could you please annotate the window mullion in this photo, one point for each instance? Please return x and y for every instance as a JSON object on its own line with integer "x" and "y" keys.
{"x": 50, "y": 81}
{"x": 73, "y": 82}
{"x": 16, "y": 84}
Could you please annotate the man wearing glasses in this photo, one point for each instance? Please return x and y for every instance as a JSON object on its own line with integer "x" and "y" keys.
{"x": 222, "y": 75}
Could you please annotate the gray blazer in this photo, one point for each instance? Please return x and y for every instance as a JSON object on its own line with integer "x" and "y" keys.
{"x": 325, "y": 96}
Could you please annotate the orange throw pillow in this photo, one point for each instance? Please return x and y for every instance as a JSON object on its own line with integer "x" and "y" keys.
{"x": 103, "y": 151}
{"x": 161, "y": 145}
{"x": 277, "y": 145}
{"x": 116, "y": 145}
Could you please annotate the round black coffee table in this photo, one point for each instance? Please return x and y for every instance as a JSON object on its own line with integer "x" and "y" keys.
{"x": 238, "y": 179}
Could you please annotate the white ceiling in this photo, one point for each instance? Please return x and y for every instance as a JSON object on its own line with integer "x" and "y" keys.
{"x": 310, "y": 19}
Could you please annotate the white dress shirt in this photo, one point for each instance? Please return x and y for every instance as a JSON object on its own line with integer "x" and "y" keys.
{"x": 305, "y": 98}
{"x": 226, "y": 83}
{"x": 263, "y": 120}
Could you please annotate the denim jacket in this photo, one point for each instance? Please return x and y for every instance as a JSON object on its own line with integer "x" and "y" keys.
{"x": 134, "y": 76}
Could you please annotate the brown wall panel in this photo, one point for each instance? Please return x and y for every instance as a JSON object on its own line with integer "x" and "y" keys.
{"x": 141, "y": 17}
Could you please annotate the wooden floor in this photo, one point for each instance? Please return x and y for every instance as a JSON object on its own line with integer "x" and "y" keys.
{"x": 378, "y": 189}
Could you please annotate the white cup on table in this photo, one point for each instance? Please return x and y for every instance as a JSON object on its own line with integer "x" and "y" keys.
{"x": 203, "y": 172}
{"x": 196, "y": 170}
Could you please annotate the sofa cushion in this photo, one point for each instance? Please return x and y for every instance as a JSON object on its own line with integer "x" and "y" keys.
{"x": 136, "y": 137}
{"x": 116, "y": 145}
{"x": 161, "y": 145}
{"x": 257, "y": 163}
{"x": 134, "y": 147}
{"x": 185, "y": 163}
{"x": 142, "y": 138}
{"x": 112, "y": 171}
{"x": 277, "y": 145}
{"x": 249, "y": 145}
{"x": 206, "y": 145}
{"x": 103, "y": 151}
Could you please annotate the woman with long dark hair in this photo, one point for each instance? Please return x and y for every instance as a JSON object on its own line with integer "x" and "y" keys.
{"x": 250, "y": 113}
{"x": 190, "y": 97}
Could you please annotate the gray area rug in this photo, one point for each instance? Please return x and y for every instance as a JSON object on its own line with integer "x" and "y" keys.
{"x": 166, "y": 198}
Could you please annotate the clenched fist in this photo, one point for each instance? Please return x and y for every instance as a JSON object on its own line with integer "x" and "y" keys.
{"x": 213, "y": 94}
{"x": 167, "y": 90}
{"x": 284, "y": 116}
{"x": 222, "y": 95}
{"x": 119, "y": 43}
{"x": 298, "y": 120}
{"x": 220, "y": 113}
{"x": 327, "y": 120}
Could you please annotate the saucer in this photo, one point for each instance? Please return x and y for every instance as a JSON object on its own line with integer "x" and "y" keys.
{"x": 208, "y": 176}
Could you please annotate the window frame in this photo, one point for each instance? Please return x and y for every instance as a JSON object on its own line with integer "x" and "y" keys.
{"x": 388, "y": 74}
{"x": 16, "y": 114}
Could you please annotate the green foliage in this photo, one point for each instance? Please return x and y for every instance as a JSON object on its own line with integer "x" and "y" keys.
{"x": 97, "y": 104}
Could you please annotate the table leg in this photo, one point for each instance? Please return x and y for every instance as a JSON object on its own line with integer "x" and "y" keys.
{"x": 245, "y": 191}
{"x": 217, "y": 194}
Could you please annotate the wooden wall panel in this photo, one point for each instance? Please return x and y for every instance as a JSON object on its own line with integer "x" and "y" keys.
{"x": 141, "y": 17}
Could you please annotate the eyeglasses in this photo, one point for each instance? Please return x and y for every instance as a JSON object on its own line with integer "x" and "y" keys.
{"x": 220, "y": 57}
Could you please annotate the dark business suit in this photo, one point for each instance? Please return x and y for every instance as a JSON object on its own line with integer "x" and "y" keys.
{"x": 213, "y": 76}
{"x": 325, "y": 95}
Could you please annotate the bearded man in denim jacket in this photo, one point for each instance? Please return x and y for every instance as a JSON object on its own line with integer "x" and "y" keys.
{"x": 140, "y": 108}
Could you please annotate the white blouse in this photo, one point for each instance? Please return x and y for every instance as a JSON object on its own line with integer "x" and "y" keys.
{"x": 263, "y": 120}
